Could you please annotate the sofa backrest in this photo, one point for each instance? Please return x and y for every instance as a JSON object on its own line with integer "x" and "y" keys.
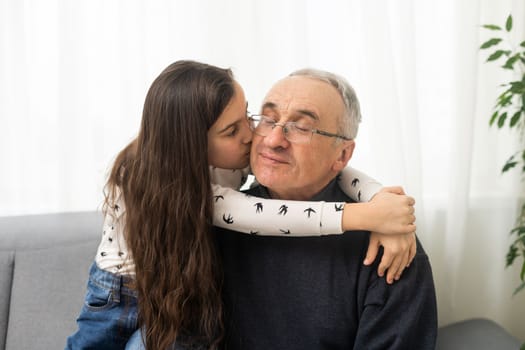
{"x": 44, "y": 264}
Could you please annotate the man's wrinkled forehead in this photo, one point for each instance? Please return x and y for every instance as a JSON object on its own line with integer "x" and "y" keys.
{"x": 290, "y": 96}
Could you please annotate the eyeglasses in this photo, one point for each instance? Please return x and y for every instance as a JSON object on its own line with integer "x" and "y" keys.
{"x": 294, "y": 132}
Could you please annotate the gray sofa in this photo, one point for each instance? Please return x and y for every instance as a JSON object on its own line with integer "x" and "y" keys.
{"x": 44, "y": 262}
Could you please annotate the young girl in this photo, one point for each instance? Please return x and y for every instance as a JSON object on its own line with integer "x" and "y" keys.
{"x": 157, "y": 249}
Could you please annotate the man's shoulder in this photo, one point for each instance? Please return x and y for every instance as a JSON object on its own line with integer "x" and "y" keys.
{"x": 331, "y": 193}
{"x": 257, "y": 191}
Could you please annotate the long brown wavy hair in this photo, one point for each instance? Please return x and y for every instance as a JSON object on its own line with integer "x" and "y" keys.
{"x": 164, "y": 178}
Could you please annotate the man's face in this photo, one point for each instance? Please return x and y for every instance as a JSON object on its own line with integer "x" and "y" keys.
{"x": 292, "y": 170}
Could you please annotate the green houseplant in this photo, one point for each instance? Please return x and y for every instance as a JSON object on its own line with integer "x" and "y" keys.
{"x": 509, "y": 110}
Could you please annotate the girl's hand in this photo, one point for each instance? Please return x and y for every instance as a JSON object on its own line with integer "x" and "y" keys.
{"x": 398, "y": 253}
{"x": 392, "y": 212}
{"x": 389, "y": 211}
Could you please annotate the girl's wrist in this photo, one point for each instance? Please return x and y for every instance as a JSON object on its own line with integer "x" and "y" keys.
{"x": 356, "y": 216}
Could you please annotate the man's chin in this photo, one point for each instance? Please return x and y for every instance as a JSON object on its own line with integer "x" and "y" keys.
{"x": 267, "y": 177}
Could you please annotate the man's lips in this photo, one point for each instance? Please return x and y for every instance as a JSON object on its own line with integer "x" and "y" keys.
{"x": 272, "y": 158}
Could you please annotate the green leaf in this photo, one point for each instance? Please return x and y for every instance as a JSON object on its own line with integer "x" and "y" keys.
{"x": 522, "y": 44}
{"x": 515, "y": 118}
{"x": 491, "y": 27}
{"x": 504, "y": 93}
{"x": 504, "y": 100}
{"x": 522, "y": 345}
{"x": 493, "y": 118}
{"x": 495, "y": 55}
{"x": 489, "y": 43}
{"x": 522, "y": 274}
{"x": 508, "y": 23}
{"x": 508, "y": 166}
{"x": 517, "y": 87}
{"x": 523, "y": 158}
{"x": 510, "y": 62}
{"x": 512, "y": 254}
{"x": 520, "y": 230}
{"x": 519, "y": 289}
{"x": 501, "y": 120}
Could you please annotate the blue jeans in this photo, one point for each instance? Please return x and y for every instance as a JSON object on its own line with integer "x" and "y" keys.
{"x": 135, "y": 343}
{"x": 109, "y": 315}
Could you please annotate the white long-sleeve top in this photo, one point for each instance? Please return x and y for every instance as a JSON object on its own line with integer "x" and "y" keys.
{"x": 243, "y": 213}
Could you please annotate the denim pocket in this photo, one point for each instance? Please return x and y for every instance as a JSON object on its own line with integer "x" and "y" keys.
{"x": 98, "y": 298}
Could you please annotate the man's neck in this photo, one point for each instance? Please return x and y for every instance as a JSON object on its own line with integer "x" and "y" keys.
{"x": 301, "y": 194}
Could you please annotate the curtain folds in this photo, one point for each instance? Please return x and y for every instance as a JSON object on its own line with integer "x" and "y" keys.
{"x": 73, "y": 77}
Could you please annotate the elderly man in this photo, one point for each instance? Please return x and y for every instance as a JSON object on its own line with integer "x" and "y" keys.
{"x": 315, "y": 293}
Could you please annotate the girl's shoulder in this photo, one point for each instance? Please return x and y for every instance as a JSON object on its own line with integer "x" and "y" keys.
{"x": 231, "y": 178}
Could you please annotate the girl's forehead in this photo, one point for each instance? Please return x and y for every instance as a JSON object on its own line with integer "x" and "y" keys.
{"x": 234, "y": 111}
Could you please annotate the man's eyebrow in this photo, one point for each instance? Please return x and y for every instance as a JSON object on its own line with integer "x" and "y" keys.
{"x": 309, "y": 113}
{"x": 269, "y": 105}
{"x": 305, "y": 112}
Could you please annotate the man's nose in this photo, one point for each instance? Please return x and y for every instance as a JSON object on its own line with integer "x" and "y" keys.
{"x": 277, "y": 137}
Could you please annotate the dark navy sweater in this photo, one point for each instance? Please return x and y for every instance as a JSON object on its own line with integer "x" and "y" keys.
{"x": 315, "y": 293}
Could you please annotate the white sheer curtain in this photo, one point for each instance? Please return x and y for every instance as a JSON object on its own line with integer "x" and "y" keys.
{"x": 73, "y": 76}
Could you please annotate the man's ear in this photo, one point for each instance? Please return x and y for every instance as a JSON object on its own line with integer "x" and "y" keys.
{"x": 346, "y": 150}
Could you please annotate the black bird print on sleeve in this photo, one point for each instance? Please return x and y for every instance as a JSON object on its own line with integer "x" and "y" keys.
{"x": 286, "y": 232}
{"x": 309, "y": 211}
{"x": 355, "y": 182}
{"x": 258, "y": 207}
{"x": 359, "y": 196}
{"x": 228, "y": 220}
{"x": 338, "y": 207}
{"x": 218, "y": 197}
{"x": 283, "y": 210}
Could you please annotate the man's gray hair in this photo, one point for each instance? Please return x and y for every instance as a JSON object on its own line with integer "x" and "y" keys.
{"x": 349, "y": 123}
